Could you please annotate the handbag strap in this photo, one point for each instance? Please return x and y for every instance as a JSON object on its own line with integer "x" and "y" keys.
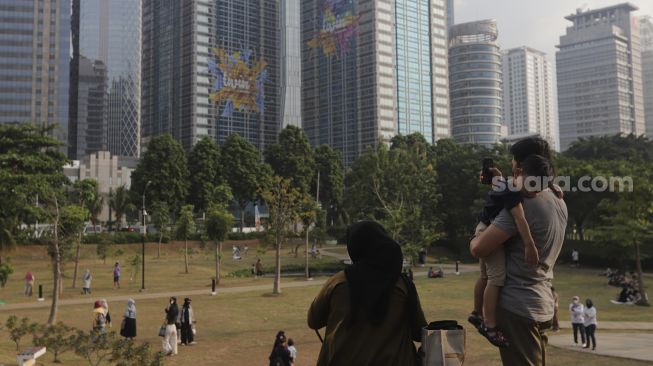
{"x": 319, "y": 336}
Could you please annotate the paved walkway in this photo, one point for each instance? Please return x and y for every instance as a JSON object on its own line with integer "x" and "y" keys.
{"x": 635, "y": 346}
{"x": 616, "y": 326}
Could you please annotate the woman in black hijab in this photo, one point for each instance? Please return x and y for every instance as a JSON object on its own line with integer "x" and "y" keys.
{"x": 371, "y": 312}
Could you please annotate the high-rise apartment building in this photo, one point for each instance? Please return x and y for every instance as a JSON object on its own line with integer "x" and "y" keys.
{"x": 528, "y": 105}
{"x": 600, "y": 75}
{"x": 34, "y": 72}
{"x": 211, "y": 68}
{"x": 646, "y": 30}
{"x": 475, "y": 83}
{"x": 373, "y": 69}
{"x": 106, "y": 32}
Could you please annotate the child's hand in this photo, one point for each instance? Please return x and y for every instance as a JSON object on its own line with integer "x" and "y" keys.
{"x": 531, "y": 257}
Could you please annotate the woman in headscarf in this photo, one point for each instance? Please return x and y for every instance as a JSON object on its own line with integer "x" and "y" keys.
{"x": 99, "y": 317}
{"x": 86, "y": 282}
{"x": 371, "y": 312}
{"x": 280, "y": 355}
{"x": 105, "y": 306}
{"x": 187, "y": 319}
{"x": 128, "y": 329}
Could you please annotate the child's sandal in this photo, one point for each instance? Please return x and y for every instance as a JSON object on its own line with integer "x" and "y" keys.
{"x": 497, "y": 338}
{"x": 475, "y": 319}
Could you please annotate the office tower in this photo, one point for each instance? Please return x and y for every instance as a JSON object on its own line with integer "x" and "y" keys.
{"x": 291, "y": 64}
{"x": 211, "y": 68}
{"x": 528, "y": 107}
{"x": 646, "y": 30}
{"x": 373, "y": 69}
{"x": 91, "y": 108}
{"x": 450, "y": 13}
{"x": 599, "y": 75}
{"x": 34, "y": 73}
{"x": 107, "y": 32}
{"x": 475, "y": 83}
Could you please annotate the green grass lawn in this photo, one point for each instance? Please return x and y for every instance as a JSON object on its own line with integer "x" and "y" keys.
{"x": 238, "y": 329}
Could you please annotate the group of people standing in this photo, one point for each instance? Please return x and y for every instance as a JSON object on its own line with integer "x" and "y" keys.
{"x": 283, "y": 352}
{"x": 102, "y": 318}
{"x": 178, "y": 321}
{"x": 583, "y": 321}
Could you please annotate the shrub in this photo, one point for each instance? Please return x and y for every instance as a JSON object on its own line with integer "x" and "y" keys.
{"x": 56, "y": 338}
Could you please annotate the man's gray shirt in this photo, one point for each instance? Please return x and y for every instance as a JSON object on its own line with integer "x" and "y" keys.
{"x": 527, "y": 290}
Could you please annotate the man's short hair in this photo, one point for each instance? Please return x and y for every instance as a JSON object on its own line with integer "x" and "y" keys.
{"x": 530, "y": 146}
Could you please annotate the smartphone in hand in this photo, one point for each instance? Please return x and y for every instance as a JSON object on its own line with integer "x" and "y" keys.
{"x": 486, "y": 173}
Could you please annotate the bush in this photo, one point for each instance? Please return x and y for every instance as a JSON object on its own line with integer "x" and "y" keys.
{"x": 6, "y": 269}
{"x": 56, "y": 338}
{"x": 122, "y": 238}
{"x": 603, "y": 255}
{"x": 322, "y": 267}
{"x": 18, "y": 329}
{"x": 245, "y": 236}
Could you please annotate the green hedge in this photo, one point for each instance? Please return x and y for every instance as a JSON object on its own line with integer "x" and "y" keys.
{"x": 121, "y": 238}
{"x": 324, "y": 267}
{"x": 246, "y": 236}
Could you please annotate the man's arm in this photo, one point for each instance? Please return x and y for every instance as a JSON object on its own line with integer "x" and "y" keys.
{"x": 487, "y": 241}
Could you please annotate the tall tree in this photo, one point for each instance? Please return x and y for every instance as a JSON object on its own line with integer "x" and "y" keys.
{"x": 164, "y": 165}
{"x": 218, "y": 225}
{"x": 120, "y": 203}
{"x": 86, "y": 194}
{"x": 292, "y": 158}
{"x": 283, "y": 201}
{"x": 184, "y": 229}
{"x": 331, "y": 172}
{"x": 205, "y": 175}
{"x": 160, "y": 218}
{"x": 243, "y": 171}
{"x": 31, "y": 167}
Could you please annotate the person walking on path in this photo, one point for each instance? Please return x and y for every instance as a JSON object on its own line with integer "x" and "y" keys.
{"x": 86, "y": 282}
{"x": 526, "y": 303}
{"x": 371, "y": 311}
{"x": 128, "y": 326}
{"x": 170, "y": 337}
{"x": 280, "y": 355}
{"x": 116, "y": 275}
{"x": 555, "y": 324}
{"x": 29, "y": 283}
{"x": 590, "y": 324}
{"x": 99, "y": 317}
{"x": 187, "y": 319}
{"x": 577, "y": 312}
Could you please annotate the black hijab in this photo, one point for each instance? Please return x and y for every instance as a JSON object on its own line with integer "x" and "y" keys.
{"x": 377, "y": 263}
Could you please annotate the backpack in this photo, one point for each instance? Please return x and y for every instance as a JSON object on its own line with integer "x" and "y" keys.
{"x": 100, "y": 320}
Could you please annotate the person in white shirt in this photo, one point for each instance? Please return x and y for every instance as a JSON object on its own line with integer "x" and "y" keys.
{"x": 292, "y": 350}
{"x": 577, "y": 311}
{"x": 590, "y": 323}
{"x": 575, "y": 258}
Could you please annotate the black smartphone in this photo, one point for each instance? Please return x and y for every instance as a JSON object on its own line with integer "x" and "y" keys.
{"x": 486, "y": 173}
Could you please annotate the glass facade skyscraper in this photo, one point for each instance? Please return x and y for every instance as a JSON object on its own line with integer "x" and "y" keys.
{"x": 211, "y": 68}
{"x": 475, "y": 83}
{"x": 109, "y": 32}
{"x": 291, "y": 64}
{"x": 35, "y": 62}
{"x": 646, "y": 30}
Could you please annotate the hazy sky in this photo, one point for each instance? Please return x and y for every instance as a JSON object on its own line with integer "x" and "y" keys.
{"x": 535, "y": 23}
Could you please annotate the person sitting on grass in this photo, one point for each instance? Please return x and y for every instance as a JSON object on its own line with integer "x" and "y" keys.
{"x": 526, "y": 304}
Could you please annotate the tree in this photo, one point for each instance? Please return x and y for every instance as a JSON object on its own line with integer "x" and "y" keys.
{"x": 283, "y": 201}
{"x": 331, "y": 172}
{"x": 68, "y": 222}
{"x": 31, "y": 165}
{"x": 205, "y": 175}
{"x": 6, "y": 269}
{"x": 120, "y": 203}
{"x": 18, "y": 329}
{"x": 308, "y": 211}
{"x": 160, "y": 217}
{"x": 86, "y": 194}
{"x": 127, "y": 353}
{"x": 292, "y": 158}
{"x": 94, "y": 347}
{"x": 184, "y": 229}
{"x": 243, "y": 171}
{"x": 164, "y": 165}
{"x": 57, "y": 338}
{"x": 218, "y": 225}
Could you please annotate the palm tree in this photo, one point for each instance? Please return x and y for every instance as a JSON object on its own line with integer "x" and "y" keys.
{"x": 120, "y": 203}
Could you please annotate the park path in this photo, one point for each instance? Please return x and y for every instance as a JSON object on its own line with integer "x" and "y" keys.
{"x": 635, "y": 346}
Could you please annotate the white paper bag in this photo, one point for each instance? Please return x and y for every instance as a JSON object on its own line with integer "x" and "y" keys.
{"x": 443, "y": 347}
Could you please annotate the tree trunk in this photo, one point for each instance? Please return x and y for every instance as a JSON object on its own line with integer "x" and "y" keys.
{"x": 306, "y": 254}
{"x": 186, "y": 255}
{"x": 640, "y": 278}
{"x": 158, "y": 251}
{"x": 218, "y": 257}
{"x": 79, "y": 246}
{"x": 277, "y": 272}
{"x": 56, "y": 268}
{"x": 242, "y": 217}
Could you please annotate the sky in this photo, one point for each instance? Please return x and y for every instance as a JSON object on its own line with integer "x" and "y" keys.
{"x": 534, "y": 23}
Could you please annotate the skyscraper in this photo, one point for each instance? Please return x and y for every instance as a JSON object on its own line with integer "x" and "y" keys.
{"x": 528, "y": 105}
{"x": 451, "y": 13}
{"x": 475, "y": 82}
{"x": 211, "y": 68}
{"x": 34, "y": 73}
{"x": 600, "y": 75}
{"x": 107, "y": 32}
{"x": 291, "y": 64}
{"x": 373, "y": 69}
{"x": 646, "y": 29}
{"x": 91, "y": 109}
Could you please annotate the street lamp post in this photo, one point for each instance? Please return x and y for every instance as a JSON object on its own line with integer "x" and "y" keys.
{"x": 143, "y": 233}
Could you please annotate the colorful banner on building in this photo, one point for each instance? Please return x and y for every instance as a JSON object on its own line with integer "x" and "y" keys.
{"x": 239, "y": 81}
{"x": 338, "y": 26}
